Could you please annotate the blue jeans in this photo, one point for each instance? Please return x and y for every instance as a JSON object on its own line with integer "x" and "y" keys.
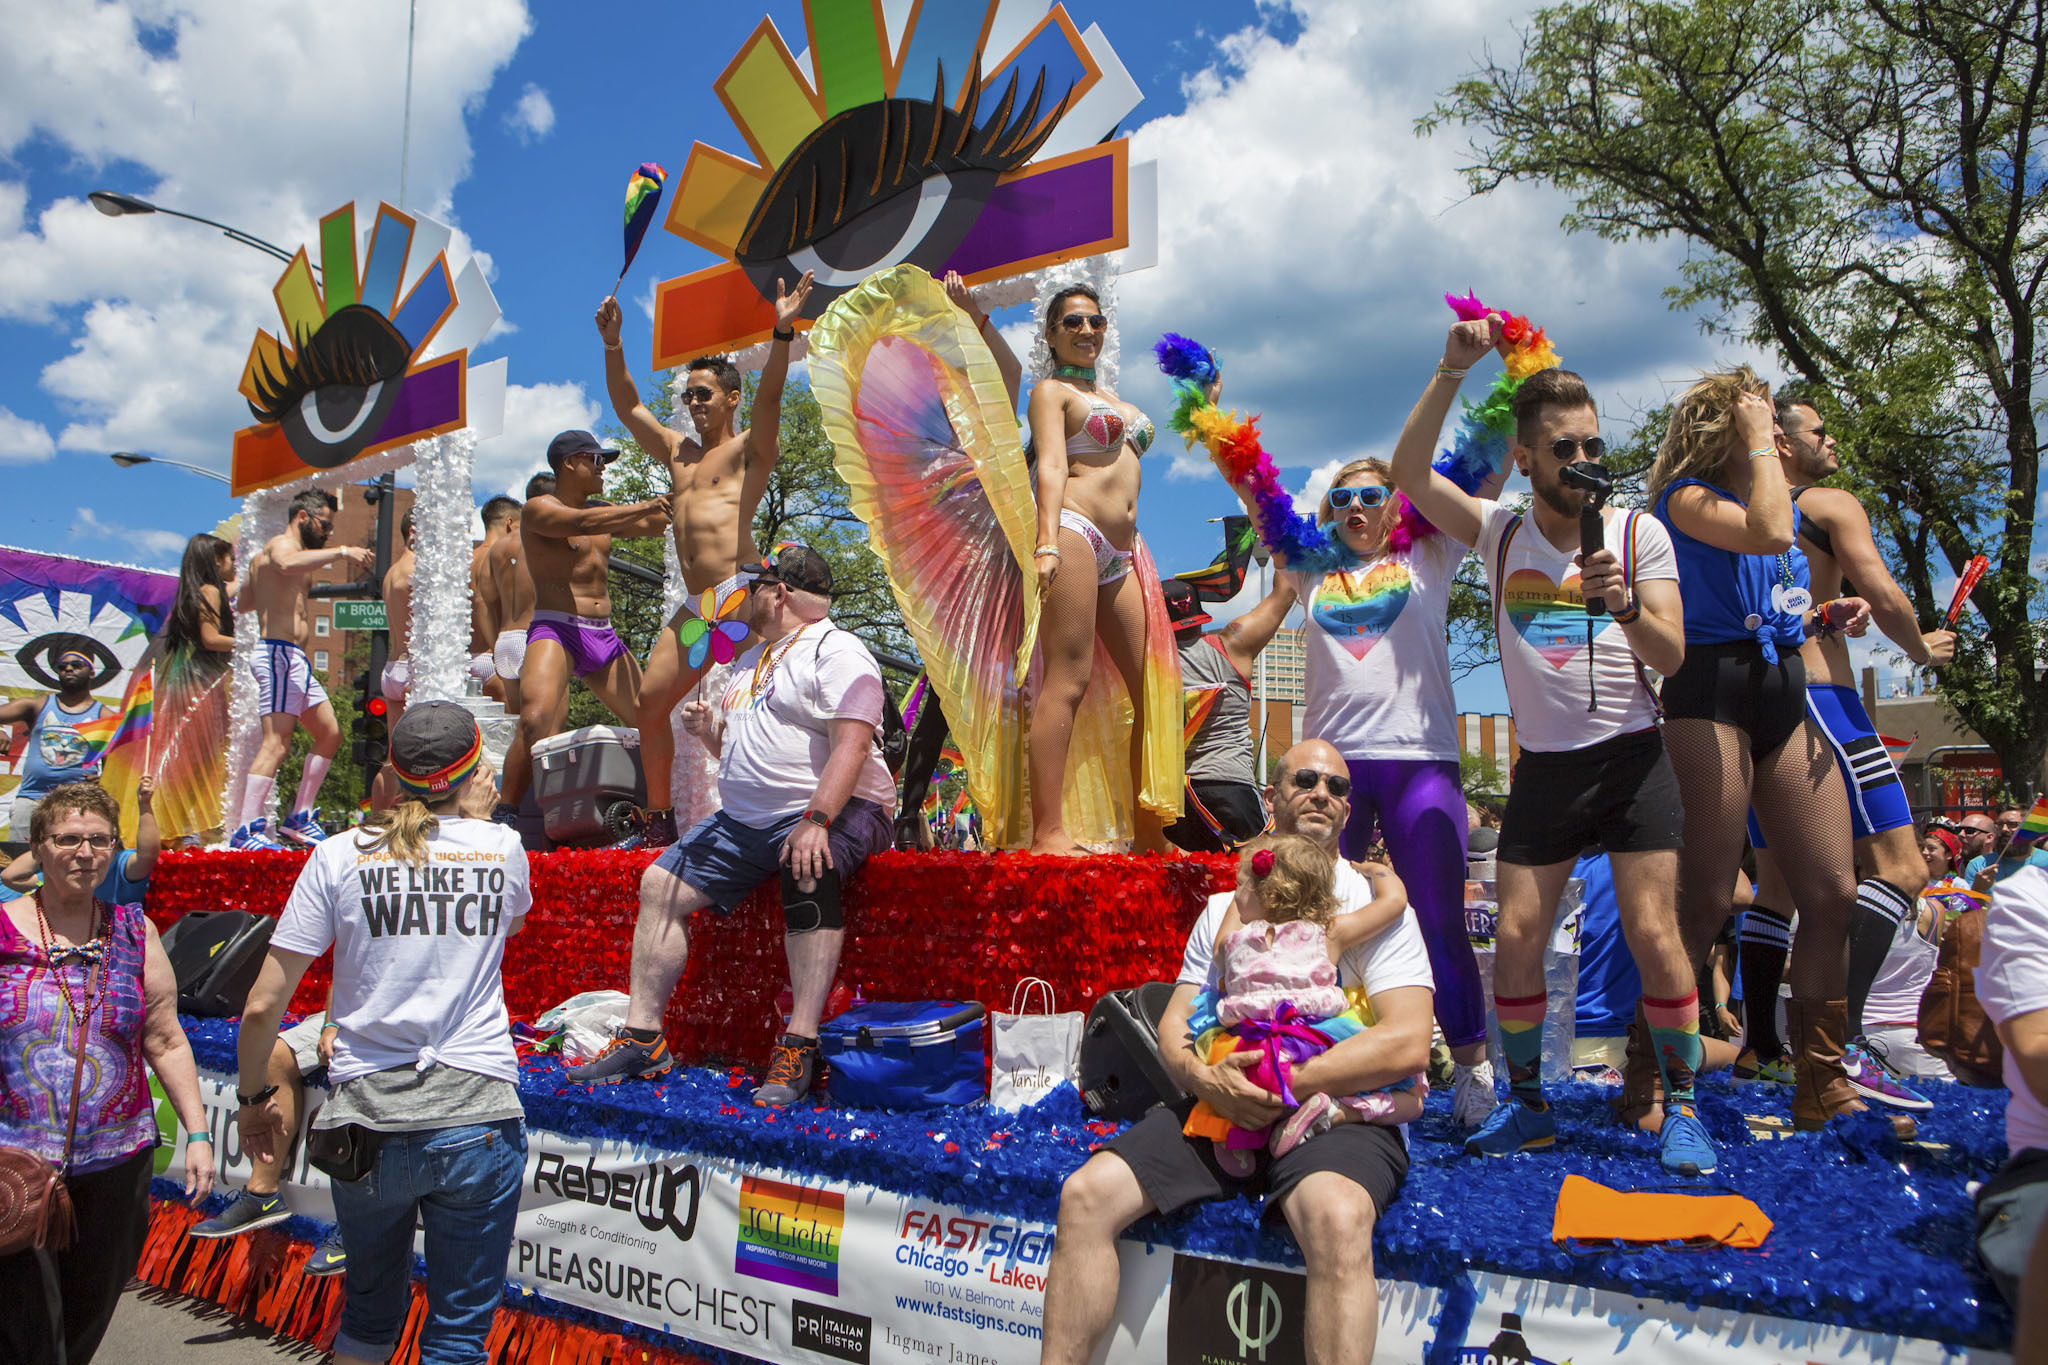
{"x": 463, "y": 1182}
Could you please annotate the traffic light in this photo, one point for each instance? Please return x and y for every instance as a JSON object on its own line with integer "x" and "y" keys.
{"x": 373, "y": 729}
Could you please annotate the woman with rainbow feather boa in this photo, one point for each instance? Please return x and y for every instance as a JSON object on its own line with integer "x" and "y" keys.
{"x": 1375, "y": 578}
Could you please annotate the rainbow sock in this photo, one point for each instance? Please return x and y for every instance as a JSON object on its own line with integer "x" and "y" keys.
{"x": 1675, "y": 1035}
{"x": 1521, "y": 1042}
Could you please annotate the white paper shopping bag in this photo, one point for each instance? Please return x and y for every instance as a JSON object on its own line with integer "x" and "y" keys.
{"x": 1031, "y": 1052}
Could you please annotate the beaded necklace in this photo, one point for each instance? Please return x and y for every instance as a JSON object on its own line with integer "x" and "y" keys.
{"x": 764, "y": 667}
{"x": 91, "y": 953}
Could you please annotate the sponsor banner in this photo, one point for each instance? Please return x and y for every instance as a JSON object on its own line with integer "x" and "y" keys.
{"x": 304, "y": 1189}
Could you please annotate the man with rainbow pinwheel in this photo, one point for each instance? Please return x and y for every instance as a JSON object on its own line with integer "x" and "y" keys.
{"x": 803, "y": 793}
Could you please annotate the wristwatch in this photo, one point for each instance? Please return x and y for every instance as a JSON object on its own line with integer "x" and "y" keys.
{"x": 818, "y": 818}
{"x": 251, "y": 1101}
{"x": 781, "y": 335}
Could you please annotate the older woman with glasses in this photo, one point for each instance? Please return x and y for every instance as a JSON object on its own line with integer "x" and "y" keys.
{"x": 1379, "y": 689}
{"x": 78, "y": 973}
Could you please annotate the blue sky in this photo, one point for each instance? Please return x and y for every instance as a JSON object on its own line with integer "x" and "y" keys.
{"x": 1306, "y": 232}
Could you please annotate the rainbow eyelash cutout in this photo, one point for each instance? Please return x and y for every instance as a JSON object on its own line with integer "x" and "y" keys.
{"x": 356, "y": 346}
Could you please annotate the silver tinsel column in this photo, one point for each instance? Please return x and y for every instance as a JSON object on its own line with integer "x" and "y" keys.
{"x": 443, "y": 507}
{"x": 262, "y": 518}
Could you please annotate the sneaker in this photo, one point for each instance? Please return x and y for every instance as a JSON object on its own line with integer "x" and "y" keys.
{"x": 1870, "y": 1080}
{"x": 1683, "y": 1146}
{"x": 624, "y": 1058}
{"x": 302, "y": 827}
{"x": 656, "y": 829}
{"x": 1236, "y": 1162}
{"x": 249, "y": 1212}
{"x": 790, "y": 1073}
{"x": 330, "y": 1259}
{"x": 1512, "y": 1128}
{"x": 1472, "y": 1097}
{"x": 503, "y": 814}
{"x": 1751, "y": 1069}
{"x": 254, "y": 835}
{"x": 1315, "y": 1115}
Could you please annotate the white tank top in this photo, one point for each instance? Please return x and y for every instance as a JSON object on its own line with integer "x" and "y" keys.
{"x": 1895, "y": 995}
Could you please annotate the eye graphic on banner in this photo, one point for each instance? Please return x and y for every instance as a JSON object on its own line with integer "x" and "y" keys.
{"x": 955, "y": 140}
{"x": 370, "y": 356}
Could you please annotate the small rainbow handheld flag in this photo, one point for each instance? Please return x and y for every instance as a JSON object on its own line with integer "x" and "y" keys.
{"x": 643, "y": 196}
{"x": 116, "y": 728}
{"x": 2031, "y": 831}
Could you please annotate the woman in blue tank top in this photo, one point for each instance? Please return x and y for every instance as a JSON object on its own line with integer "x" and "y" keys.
{"x": 1735, "y": 712}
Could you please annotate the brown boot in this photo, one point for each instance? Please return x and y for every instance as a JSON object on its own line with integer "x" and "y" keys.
{"x": 1642, "y": 1084}
{"x": 1819, "y": 1030}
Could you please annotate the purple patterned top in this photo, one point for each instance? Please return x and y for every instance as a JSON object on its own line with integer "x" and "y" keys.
{"x": 115, "y": 1117}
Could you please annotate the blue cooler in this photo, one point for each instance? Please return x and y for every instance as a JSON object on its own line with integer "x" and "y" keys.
{"x": 907, "y": 1054}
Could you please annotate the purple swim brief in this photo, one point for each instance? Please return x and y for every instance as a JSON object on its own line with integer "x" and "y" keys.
{"x": 589, "y": 641}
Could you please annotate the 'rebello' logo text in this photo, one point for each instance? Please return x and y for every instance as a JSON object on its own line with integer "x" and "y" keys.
{"x": 659, "y": 1194}
{"x": 957, "y": 1245}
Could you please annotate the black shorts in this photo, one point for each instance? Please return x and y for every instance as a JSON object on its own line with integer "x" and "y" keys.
{"x": 1620, "y": 794}
{"x": 1239, "y": 807}
{"x": 1732, "y": 684}
{"x": 1175, "y": 1170}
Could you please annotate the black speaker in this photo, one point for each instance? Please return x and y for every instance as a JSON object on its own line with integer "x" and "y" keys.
{"x": 215, "y": 956}
{"x": 1121, "y": 1074}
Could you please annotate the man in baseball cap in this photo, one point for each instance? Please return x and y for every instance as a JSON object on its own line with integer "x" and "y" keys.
{"x": 578, "y": 443}
{"x": 1224, "y": 803}
{"x": 795, "y": 566}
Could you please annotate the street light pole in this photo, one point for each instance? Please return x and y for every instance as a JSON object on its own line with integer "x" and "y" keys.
{"x": 128, "y": 459}
{"x": 124, "y": 205}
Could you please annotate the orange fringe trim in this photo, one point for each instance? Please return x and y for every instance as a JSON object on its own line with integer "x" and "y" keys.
{"x": 262, "y": 1276}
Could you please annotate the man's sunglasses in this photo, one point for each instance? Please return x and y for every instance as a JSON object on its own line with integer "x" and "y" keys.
{"x": 1074, "y": 322}
{"x": 1305, "y": 779}
{"x": 697, "y": 393}
{"x": 1368, "y": 495}
{"x": 1564, "y": 447}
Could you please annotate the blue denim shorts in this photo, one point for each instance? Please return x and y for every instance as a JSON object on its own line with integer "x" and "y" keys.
{"x": 726, "y": 860}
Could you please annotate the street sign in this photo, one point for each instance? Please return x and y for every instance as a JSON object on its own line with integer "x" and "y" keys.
{"x": 356, "y": 615}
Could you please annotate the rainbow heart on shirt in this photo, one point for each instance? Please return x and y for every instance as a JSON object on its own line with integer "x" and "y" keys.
{"x": 1549, "y": 617}
{"x": 1356, "y": 609}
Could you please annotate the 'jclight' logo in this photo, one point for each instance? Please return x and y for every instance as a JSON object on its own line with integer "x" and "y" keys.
{"x": 1237, "y": 1311}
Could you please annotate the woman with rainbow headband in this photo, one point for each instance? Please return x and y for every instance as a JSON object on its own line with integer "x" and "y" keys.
{"x": 417, "y": 906}
{"x": 1376, "y": 580}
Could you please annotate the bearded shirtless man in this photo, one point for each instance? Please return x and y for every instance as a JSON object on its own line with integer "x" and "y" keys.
{"x": 567, "y": 544}
{"x": 287, "y": 689}
{"x": 717, "y": 479}
{"x": 507, "y": 592}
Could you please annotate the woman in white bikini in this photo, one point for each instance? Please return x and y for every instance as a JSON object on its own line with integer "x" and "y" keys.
{"x": 1088, "y": 443}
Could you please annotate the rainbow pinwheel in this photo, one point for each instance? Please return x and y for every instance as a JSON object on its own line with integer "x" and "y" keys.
{"x": 712, "y": 632}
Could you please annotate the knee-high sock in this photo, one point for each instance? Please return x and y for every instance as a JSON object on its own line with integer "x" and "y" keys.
{"x": 1675, "y": 1037}
{"x": 309, "y": 782}
{"x": 1521, "y": 1042}
{"x": 1872, "y": 926}
{"x": 256, "y": 797}
{"x": 1764, "y": 942}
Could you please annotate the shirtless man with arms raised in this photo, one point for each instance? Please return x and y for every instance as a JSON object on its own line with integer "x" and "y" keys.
{"x": 717, "y": 478}
{"x": 568, "y": 545}
{"x": 287, "y": 689}
{"x": 1834, "y": 532}
{"x": 506, "y": 590}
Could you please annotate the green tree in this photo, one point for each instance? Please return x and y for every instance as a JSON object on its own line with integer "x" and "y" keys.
{"x": 1481, "y": 778}
{"x": 1862, "y": 183}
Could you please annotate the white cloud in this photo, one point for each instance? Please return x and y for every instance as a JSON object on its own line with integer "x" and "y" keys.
{"x": 533, "y": 117}
{"x": 534, "y": 413}
{"x": 169, "y": 306}
{"x": 1307, "y": 234}
{"x": 162, "y": 547}
{"x": 23, "y": 441}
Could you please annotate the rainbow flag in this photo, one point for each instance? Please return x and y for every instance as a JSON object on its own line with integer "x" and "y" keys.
{"x": 643, "y": 196}
{"x": 2031, "y": 830}
{"x": 116, "y": 728}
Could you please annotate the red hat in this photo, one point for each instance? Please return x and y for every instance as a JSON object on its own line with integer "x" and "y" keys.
{"x": 1949, "y": 842}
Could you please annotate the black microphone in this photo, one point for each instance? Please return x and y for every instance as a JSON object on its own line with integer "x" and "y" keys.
{"x": 1598, "y": 485}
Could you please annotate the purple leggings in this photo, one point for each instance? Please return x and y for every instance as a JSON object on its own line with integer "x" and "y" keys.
{"x": 1419, "y": 807}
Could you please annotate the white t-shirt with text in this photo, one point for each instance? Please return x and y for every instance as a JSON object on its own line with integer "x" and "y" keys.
{"x": 1540, "y": 617}
{"x": 778, "y": 708}
{"x": 2012, "y": 980}
{"x": 418, "y": 950}
{"x": 1379, "y": 665}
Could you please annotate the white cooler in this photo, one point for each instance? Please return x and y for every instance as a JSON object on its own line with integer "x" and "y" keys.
{"x": 588, "y": 784}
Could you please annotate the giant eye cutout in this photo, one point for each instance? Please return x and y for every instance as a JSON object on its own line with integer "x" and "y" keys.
{"x": 38, "y": 658}
{"x": 333, "y": 395}
{"x": 884, "y": 183}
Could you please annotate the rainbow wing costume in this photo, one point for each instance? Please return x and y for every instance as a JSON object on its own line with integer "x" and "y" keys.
{"x": 926, "y": 438}
{"x": 187, "y": 748}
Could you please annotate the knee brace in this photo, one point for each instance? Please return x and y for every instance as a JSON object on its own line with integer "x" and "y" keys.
{"x": 818, "y": 908}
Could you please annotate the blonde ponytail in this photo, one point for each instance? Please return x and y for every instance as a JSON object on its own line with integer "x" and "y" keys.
{"x": 403, "y": 831}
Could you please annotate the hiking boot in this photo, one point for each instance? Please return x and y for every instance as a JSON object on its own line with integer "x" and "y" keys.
{"x": 302, "y": 827}
{"x": 1821, "y": 1088}
{"x": 791, "y": 1072}
{"x": 625, "y": 1058}
{"x": 1683, "y": 1145}
{"x": 249, "y": 1212}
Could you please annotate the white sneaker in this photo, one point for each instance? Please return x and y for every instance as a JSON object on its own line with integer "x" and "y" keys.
{"x": 1472, "y": 1097}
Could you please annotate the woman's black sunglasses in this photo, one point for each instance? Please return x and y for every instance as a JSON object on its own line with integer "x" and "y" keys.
{"x": 1305, "y": 779}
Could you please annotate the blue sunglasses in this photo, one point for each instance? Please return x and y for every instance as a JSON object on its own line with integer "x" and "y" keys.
{"x": 1370, "y": 495}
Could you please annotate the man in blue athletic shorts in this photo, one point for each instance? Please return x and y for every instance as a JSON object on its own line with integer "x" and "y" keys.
{"x": 1835, "y": 534}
